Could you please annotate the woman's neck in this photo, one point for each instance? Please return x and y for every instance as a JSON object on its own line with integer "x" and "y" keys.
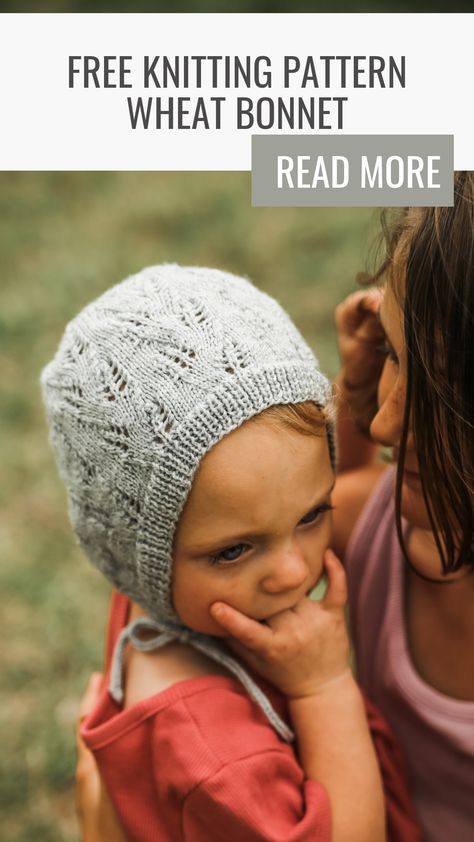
{"x": 440, "y": 620}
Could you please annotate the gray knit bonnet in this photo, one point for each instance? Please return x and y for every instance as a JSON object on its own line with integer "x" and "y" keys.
{"x": 146, "y": 380}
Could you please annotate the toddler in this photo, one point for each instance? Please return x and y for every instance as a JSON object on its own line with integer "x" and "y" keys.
{"x": 190, "y": 424}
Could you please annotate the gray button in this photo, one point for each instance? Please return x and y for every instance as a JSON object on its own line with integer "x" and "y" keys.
{"x": 352, "y": 170}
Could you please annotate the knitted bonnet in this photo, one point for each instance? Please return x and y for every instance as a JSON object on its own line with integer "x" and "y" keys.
{"x": 146, "y": 380}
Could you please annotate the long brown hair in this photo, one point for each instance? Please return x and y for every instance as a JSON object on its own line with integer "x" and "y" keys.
{"x": 430, "y": 263}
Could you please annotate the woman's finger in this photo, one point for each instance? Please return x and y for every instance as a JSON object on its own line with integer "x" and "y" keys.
{"x": 372, "y": 299}
{"x": 85, "y": 760}
{"x": 336, "y": 592}
{"x": 355, "y": 308}
{"x": 91, "y": 696}
{"x": 250, "y": 633}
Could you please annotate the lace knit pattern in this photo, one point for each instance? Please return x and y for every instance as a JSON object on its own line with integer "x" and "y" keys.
{"x": 146, "y": 380}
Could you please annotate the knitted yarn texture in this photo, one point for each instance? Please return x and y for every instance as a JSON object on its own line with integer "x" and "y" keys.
{"x": 146, "y": 380}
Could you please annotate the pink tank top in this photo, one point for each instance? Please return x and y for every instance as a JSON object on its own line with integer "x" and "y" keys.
{"x": 435, "y": 731}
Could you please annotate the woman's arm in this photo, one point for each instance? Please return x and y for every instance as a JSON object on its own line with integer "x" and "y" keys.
{"x": 97, "y": 817}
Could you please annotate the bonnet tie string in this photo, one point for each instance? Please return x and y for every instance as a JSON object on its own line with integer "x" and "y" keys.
{"x": 166, "y": 632}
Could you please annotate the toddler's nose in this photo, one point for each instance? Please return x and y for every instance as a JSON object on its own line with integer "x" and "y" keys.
{"x": 289, "y": 571}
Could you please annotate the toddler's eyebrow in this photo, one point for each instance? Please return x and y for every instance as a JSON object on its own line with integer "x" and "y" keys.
{"x": 202, "y": 549}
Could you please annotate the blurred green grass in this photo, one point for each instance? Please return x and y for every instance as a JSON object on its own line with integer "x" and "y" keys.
{"x": 64, "y": 238}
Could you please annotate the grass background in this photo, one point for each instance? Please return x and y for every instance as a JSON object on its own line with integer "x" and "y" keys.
{"x": 64, "y": 238}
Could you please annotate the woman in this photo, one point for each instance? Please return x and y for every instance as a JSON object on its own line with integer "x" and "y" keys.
{"x": 406, "y": 534}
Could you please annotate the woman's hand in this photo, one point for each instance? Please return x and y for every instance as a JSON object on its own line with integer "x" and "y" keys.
{"x": 360, "y": 335}
{"x": 301, "y": 650}
{"x": 98, "y": 819}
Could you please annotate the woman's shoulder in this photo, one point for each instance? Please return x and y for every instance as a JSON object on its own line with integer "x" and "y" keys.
{"x": 351, "y": 493}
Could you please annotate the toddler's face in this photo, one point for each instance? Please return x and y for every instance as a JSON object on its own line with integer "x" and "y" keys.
{"x": 255, "y": 525}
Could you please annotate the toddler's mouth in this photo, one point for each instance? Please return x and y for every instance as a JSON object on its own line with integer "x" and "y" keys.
{"x": 295, "y": 602}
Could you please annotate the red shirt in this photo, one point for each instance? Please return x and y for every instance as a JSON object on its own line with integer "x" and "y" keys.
{"x": 199, "y": 762}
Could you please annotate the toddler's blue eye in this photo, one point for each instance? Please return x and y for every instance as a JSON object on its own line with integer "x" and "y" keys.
{"x": 229, "y": 554}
